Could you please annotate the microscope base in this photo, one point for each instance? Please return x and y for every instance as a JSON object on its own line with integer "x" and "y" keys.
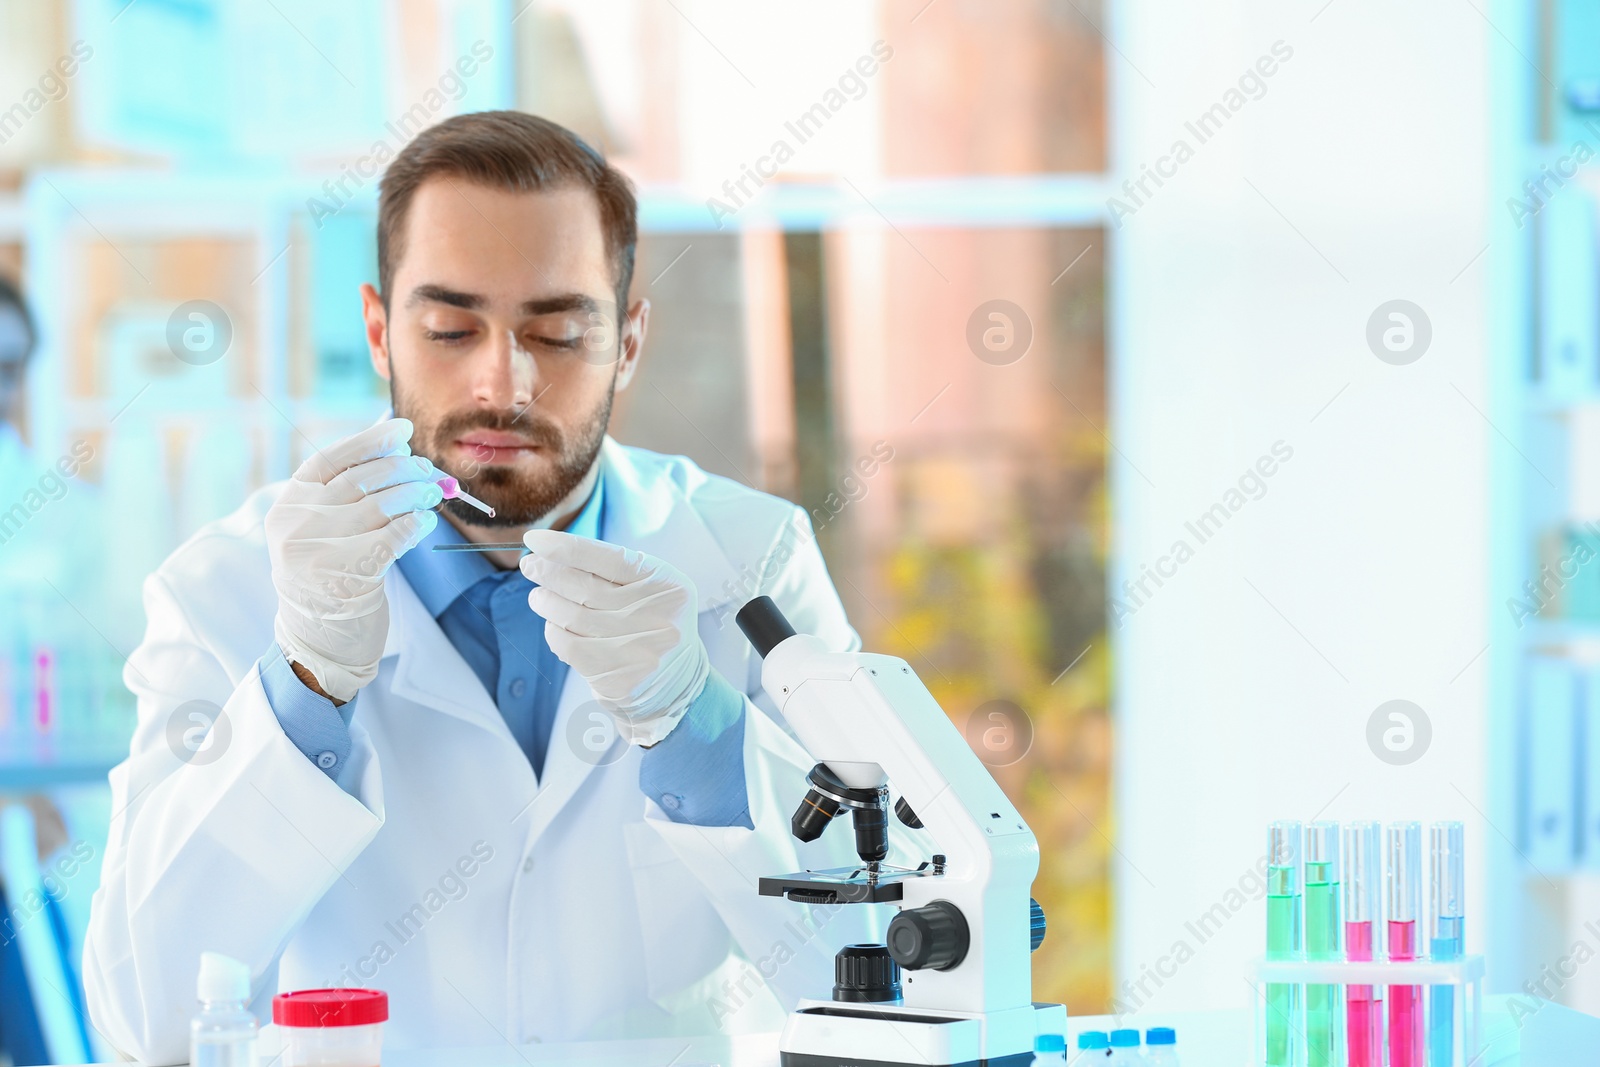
{"x": 823, "y": 1033}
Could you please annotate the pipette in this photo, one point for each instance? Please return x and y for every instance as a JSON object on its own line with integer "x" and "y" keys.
{"x": 544, "y": 522}
{"x": 453, "y": 491}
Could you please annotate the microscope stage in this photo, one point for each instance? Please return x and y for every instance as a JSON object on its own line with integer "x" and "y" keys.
{"x": 842, "y": 885}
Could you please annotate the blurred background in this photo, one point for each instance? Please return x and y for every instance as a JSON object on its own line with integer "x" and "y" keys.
{"x": 1237, "y": 366}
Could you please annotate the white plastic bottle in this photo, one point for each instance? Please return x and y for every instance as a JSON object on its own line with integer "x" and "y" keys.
{"x": 1050, "y": 1050}
{"x": 1161, "y": 1047}
{"x": 1125, "y": 1049}
{"x": 223, "y": 1033}
{"x": 1094, "y": 1048}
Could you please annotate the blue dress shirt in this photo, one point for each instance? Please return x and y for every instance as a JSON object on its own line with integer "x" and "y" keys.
{"x": 695, "y": 773}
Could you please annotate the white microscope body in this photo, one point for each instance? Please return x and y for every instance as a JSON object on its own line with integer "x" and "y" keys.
{"x": 967, "y": 926}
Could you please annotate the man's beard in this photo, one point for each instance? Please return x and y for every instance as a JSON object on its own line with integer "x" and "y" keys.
{"x": 518, "y": 499}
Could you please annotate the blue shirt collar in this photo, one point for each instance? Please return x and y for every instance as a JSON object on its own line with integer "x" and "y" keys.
{"x": 440, "y": 577}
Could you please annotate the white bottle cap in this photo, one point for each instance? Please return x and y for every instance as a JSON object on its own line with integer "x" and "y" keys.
{"x": 223, "y": 978}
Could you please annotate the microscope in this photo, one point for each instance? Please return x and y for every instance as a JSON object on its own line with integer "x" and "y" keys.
{"x": 953, "y": 984}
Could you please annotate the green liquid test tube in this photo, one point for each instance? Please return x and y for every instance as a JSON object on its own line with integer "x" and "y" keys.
{"x": 1284, "y": 1032}
{"x": 1324, "y": 1019}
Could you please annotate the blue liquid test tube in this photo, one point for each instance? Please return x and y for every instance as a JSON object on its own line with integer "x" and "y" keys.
{"x": 1445, "y": 843}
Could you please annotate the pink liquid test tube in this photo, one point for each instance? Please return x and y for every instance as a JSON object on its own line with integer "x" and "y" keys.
{"x": 452, "y": 491}
{"x": 44, "y": 688}
{"x": 1363, "y": 1003}
{"x": 1403, "y": 856}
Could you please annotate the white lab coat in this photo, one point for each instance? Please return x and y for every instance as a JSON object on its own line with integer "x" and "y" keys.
{"x": 491, "y": 907}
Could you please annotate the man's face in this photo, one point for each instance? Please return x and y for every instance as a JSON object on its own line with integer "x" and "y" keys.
{"x": 501, "y": 341}
{"x": 14, "y": 344}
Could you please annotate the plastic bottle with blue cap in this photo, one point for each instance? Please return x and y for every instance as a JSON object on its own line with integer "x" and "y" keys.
{"x": 1050, "y": 1050}
{"x": 1125, "y": 1049}
{"x": 1093, "y": 1046}
{"x": 1161, "y": 1047}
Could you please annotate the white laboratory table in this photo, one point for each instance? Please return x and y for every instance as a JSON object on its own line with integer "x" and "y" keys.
{"x": 1553, "y": 1037}
{"x": 748, "y": 1050}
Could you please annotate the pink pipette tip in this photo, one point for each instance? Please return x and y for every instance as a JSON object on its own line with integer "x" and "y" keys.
{"x": 453, "y": 491}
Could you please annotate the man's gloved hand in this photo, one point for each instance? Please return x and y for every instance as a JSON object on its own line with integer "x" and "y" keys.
{"x": 350, "y": 511}
{"x": 623, "y": 620}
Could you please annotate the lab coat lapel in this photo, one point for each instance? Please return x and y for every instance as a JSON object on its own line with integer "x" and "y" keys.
{"x": 428, "y": 670}
{"x": 567, "y": 762}
{"x": 645, "y": 510}
{"x": 651, "y": 513}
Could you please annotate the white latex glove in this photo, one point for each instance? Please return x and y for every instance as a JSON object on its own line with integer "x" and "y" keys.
{"x": 623, "y": 620}
{"x": 350, "y": 511}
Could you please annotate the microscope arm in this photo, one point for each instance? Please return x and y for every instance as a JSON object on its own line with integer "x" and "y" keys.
{"x": 871, "y": 721}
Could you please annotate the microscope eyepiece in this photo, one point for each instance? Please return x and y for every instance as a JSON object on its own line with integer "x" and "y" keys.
{"x": 763, "y": 624}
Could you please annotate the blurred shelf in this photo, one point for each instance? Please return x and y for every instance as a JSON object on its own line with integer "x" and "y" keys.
{"x": 1577, "y": 633}
{"x": 145, "y": 201}
{"x": 28, "y": 770}
{"x": 1051, "y": 199}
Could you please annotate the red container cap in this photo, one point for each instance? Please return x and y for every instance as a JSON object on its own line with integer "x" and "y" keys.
{"x": 330, "y": 1007}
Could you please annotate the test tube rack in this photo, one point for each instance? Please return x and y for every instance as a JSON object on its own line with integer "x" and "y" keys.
{"x": 1465, "y": 975}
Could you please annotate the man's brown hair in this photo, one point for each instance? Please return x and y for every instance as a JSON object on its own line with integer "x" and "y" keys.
{"x": 514, "y": 151}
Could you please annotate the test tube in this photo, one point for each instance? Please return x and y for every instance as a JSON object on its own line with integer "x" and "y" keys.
{"x": 1322, "y": 942}
{"x": 44, "y": 689}
{"x": 1445, "y": 842}
{"x": 452, "y": 491}
{"x": 1283, "y": 940}
{"x": 1403, "y": 870}
{"x": 1363, "y": 1003}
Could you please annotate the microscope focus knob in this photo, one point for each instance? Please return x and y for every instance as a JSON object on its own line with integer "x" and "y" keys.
{"x": 934, "y": 936}
{"x": 1036, "y": 925}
